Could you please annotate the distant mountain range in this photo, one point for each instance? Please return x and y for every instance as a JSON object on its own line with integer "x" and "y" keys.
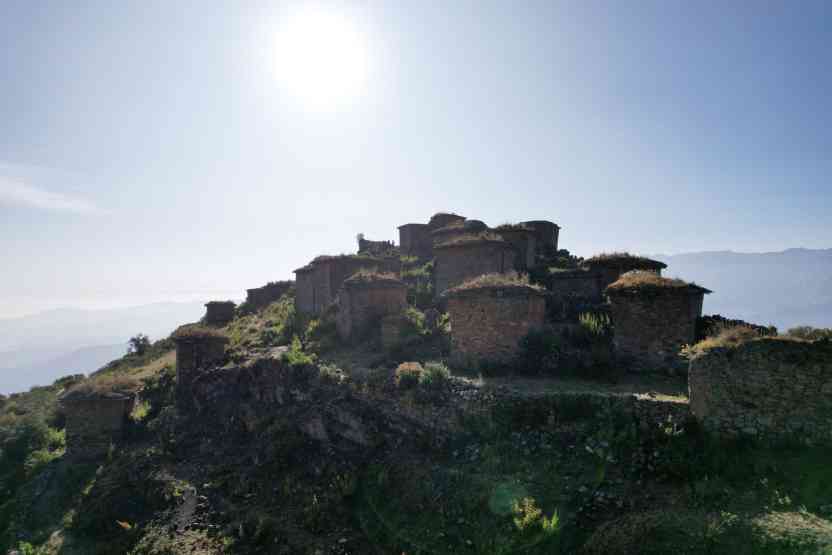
{"x": 787, "y": 288}
{"x": 37, "y": 349}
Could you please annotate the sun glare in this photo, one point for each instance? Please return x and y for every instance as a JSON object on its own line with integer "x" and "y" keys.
{"x": 321, "y": 59}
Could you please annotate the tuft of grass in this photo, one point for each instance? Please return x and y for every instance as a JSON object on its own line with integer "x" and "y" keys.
{"x": 509, "y": 280}
{"x": 103, "y": 387}
{"x": 408, "y": 375}
{"x": 470, "y": 239}
{"x": 733, "y": 336}
{"x": 373, "y": 276}
{"x": 624, "y": 259}
{"x": 639, "y": 280}
{"x": 434, "y": 375}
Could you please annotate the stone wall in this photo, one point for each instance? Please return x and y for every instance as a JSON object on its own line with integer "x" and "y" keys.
{"x": 361, "y": 306}
{"x": 416, "y": 240}
{"x": 488, "y": 323}
{"x": 455, "y": 264}
{"x": 651, "y": 326}
{"x": 610, "y": 270}
{"x": 93, "y": 424}
{"x": 546, "y": 234}
{"x": 195, "y": 354}
{"x": 573, "y": 292}
{"x": 219, "y": 313}
{"x": 443, "y": 219}
{"x": 304, "y": 290}
{"x": 375, "y": 248}
{"x": 261, "y": 297}
{"x": 524, "y": 244}
{"x": 772, "y": 389}
{"x": 318, "y": 283}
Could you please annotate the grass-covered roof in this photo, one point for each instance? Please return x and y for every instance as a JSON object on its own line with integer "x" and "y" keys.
{"x": 108, "y": 387}
{"x": 370, "y": 277}
{"x": 624, "y": 259}
{"x": 467, "y": 239}
{"x": 643, "y": 281}
{"x": 196, "y": 332}
{"x": 509, "y": 281}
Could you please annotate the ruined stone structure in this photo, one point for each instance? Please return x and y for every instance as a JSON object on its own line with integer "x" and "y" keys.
{"x": 219, "y": 313}
{"x": 524, "y": 243}
{"x": 376, "y": 248}
{"x": 416, "y": 240}
{"x": 444, "y": 219}
{"x": 489, "y": 321}
{"x": 546, "y": 235}
{"x": 612, "y": 266}
{"x": 456, "y": 229}
{"x": 654, "y": 318}
{"x": 260, "y": 297}
{"x": 93, "y": 422}
{"x": 317, "y": 284}
{"x": 197, "y": 349}
{"x": 772, "y": 389}
{"x": 364, "y": 299}
{"x": 470, "y": 256}
{"x": 572, "y": 292}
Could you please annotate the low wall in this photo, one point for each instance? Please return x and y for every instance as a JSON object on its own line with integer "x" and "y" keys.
{"x": 260, "y": 297}
{"x": 771, "y": 389}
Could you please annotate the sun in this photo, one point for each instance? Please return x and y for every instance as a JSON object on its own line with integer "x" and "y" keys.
{"x": 321, "y": 59}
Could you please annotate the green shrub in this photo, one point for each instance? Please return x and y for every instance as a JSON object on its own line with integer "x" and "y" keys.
{"x": 295, "y": 357}
{"x": 330, "y": 373}
{"x": 159, "y": 391}
{"x": 809, "y": 333}
{"x": 540, "y": 351}
{"x": 408, "y": 375}
{"x": 434, "y": 375}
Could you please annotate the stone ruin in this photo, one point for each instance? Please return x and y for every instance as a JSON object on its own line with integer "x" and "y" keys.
{"x": 524, "y": 242}
{"x": 219, "y": 313}
{"x": 197, "y": 349}
{"x": 317, "y": 284}
{"x": 490, "y": 316}
{"x": 546, "y": 235}
{"x": 417, "y": 239}
{"x": 261, "y": 297}
{"x": 376, "y": 248}
{"x": 611, "y": 266}
{"x": 94, "y": 420}
{"x": 364, "y": 299}
{"x": 653, "y": 317}
{"x": 466, "y": 257}
{"x": 771, "y": 389}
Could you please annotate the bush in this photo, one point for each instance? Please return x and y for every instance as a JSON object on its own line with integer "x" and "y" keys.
{"x": 434, "y": 375}
{"x": 159, "y": 391}
{"x": 408, "y": 375}
{"x": 809, "y": 333}
{"x": 138, "y": 345}
{"x": 540, "y": 351}
{"x": 295, "y": 357}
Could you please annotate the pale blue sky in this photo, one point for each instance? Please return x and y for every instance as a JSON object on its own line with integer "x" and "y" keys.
{"x": 154, "y": 150}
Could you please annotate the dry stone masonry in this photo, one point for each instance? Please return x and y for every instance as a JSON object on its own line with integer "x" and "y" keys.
{"x": 197, "y": 349}
{"x": 261, "y": 297}
{"x": 469, "y": 256}
{"x": 364, "y": 300}
{"x": 318, "y": 283}
{"x": 654, "y": 318}
{"x": 219, "y": 313}
{"x": 489, "y": 321}
{"x": 93, "y": 422}
{"x": 772, "y": 389}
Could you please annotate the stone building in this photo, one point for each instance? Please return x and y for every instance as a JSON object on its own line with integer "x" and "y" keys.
{"x": 573, "y": 291}
{"x": 317, "y": 284}
{"x": 490, "y": 315}
{"x": 772, "y": 389}
{"x": 219, "y": 313}
{"x": 364, "y": 299}
{"x": 260, "y": 297}
{"x": 443, "y": 219}
{"x": 94, "y": 420}
{"x": 611, "y": 266}
{"x": 653, "y": 317}
{"x": 456, "y": 229}
{"x": 376, "y": 248}
{"x": 416, "y": 240}
{"x": 546, "y": 235}
{"x": 524, "y": 242}
{"x": 469, "y": 256}
{"x": 197, "y": 349}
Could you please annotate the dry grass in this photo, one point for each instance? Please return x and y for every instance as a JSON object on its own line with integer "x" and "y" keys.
{"x": 195, "y": 331}
{"x": 471, "y": 239}
{"x": 154, "y": 366}
{"x": 513, "y": 227}
{"x": 104, "y": 387}
{"x": 372, "y": 276}
{"x": 641, "y": 280}
{"x": 624, "y": 258}
{"x": 510, "y": 280}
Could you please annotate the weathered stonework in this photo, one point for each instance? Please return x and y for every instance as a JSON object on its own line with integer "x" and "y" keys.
{"x": 376, "y": 248}
{"x": 261, "y": 297}
{"x": 546, "y": 234}
{"x": 524, "y": 243}
{"x": 771, "y": 389}
{"x": 93, "y": 423}
{"x": 363, "y": 302}
{"x": 613, "y": 267}
{"x": 443, "y": 219}
{"x": 573, "y": 292}
{"x": 317, "y": 284}
{"x": 488, "y": 323}
{"x": 391, "y": 331}
{"x": 416, "y": 240}
{"x": 196, "y": 351}
{"x": 652, "y": 325}
{"x": 458, "y": 262}
{"x": 219, "y": 313}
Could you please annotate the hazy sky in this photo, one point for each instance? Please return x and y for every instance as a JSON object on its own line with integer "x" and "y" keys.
{"x": 172, "y": 150}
